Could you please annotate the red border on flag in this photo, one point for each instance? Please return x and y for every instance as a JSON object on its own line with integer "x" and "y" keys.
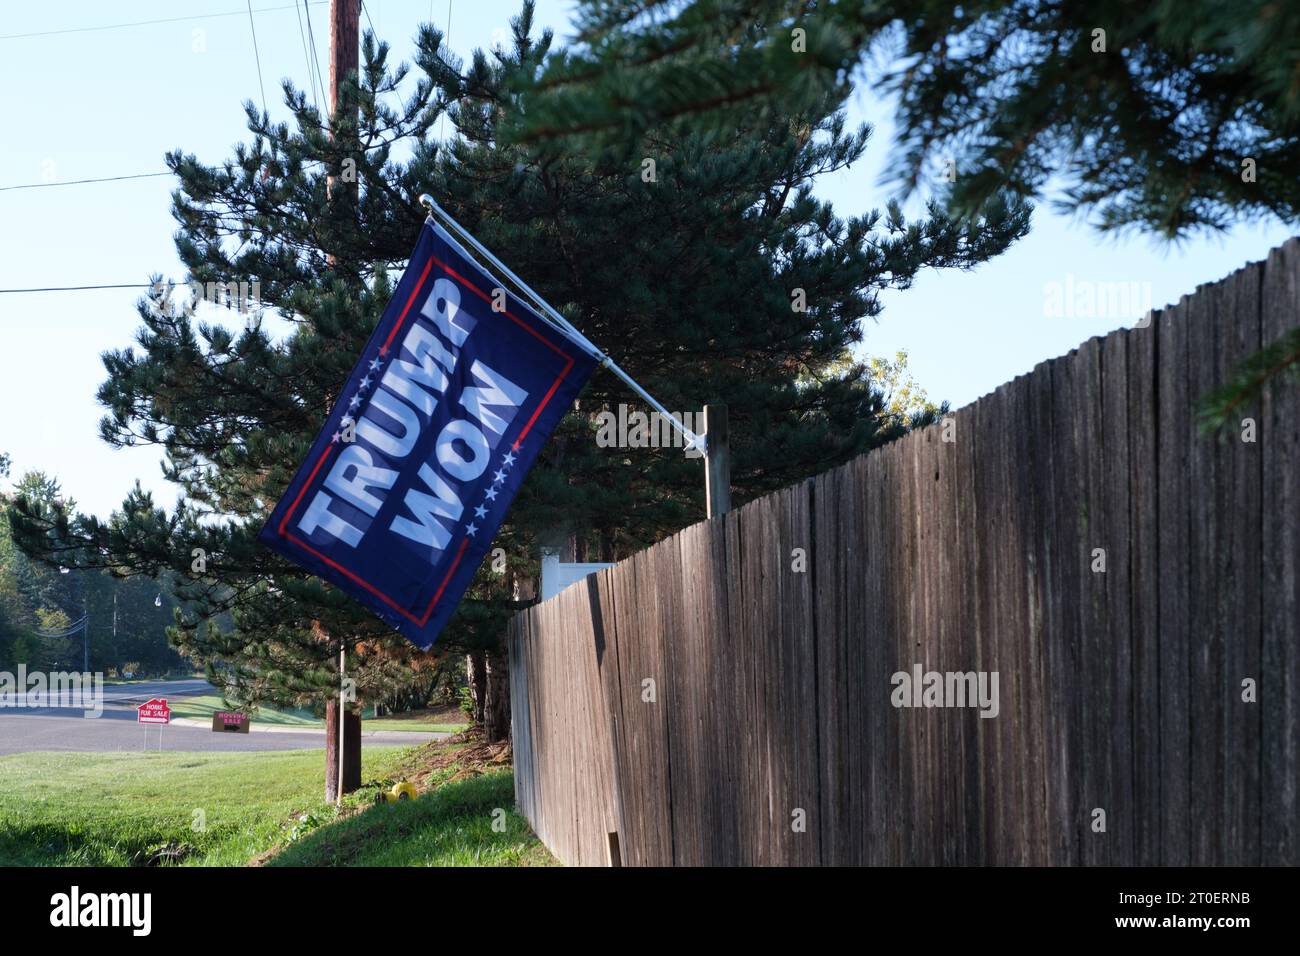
{"x": 464, "y": 545}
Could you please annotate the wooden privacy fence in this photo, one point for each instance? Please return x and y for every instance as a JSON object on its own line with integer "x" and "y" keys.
{"x": 727, "y": 696}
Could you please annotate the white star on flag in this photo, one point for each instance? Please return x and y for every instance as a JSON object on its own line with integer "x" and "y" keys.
{"x": 491, "y": 494}
{"x": 480, "y": 512}
{"x": 508, "y": 458}
{"x": 499, "y": 476}
{"x": 374, "y": 365}
{"x": 471, "y": 528}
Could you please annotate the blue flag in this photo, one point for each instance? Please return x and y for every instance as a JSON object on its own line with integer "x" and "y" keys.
{"x": 454, "y": 396}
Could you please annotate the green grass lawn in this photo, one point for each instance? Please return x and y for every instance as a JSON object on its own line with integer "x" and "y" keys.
{"x": 223, "y": 809}
{"x": 450, "y": 826}
{"x": 416, "y": 721}
{"x": 119, "y": 809}
{"x": 203, "y": 706}
{"x": 127, "y": 681}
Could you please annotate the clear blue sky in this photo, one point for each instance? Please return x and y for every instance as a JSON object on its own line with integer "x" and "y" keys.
{"x": 108, "y": 103}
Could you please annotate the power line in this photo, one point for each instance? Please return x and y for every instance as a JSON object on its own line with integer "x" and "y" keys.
{"x": 138, "y": 23}
{"x": 80, "y": 182}
{"x": 68, "y": 631}
{"x": 256, "y": 55}
{"x": 81, "y": 288}
{"x": 320, "y": 77}
{"x": 311, "y": 79}
{"x": 145, "y": 23}
{"x": 113, "y": 179}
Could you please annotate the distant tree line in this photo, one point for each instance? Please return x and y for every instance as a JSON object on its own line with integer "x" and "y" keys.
{"x": 40, "y": 608}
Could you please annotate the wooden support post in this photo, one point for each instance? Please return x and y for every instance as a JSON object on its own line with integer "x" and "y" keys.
{"x": 343, "y": 709}
{"x": 350, "y": 739}
{"x": 717, "y": 461}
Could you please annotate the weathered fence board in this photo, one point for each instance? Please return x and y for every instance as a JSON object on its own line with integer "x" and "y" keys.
{"x": 1144, "y": 582}
{"x": 1172, "y": 492}
{"x": 1279, "y": 682}
{"x": 729, "y": 695}
{"x": 1115, "y": 645}
{"x": 838, "y": 823}
{"x": 1203, "y": 637}
{"x": 1238, "y": 584}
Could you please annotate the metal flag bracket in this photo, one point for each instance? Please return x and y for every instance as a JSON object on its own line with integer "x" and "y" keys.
{"x": 560, "y": 323}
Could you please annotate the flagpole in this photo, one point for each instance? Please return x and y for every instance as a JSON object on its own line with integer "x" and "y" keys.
{"x": 692, "y": 440}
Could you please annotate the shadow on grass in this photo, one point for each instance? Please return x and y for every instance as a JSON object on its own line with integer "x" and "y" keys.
{"x": 469, "y": 822}
{"x": 55, "y": 844}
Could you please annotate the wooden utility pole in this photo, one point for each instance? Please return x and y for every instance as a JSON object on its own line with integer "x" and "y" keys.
{"x": 345, "y": 44}
{"x": 342, "y": 728}
{"x": 345, "y": 59}
{"x": 717, "y": 461}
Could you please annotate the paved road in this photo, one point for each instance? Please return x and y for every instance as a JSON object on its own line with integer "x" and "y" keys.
{"x": 47, "y": 728}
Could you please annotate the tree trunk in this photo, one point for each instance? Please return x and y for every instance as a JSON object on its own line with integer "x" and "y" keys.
{"x": 351, "y": 751}
{"x": 496, "y": 716}
{"x": 476, "y": 675}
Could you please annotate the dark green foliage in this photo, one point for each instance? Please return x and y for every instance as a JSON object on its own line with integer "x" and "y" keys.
{"x": 702, "y": 65}
{"x": 1150, "y": 133}
{"x": 1170, "y": 117}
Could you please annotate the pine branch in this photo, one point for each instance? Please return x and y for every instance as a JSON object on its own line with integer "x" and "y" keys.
{"x": 1267, "y": 368}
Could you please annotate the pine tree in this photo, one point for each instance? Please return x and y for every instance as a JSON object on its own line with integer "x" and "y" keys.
{"x": 708, "y": 269}
{"x": 1150, "y": 114}
{"x": 1170, "y": 118}
{"x": 235, "y": 400}
{"x": 705, "y": 266}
